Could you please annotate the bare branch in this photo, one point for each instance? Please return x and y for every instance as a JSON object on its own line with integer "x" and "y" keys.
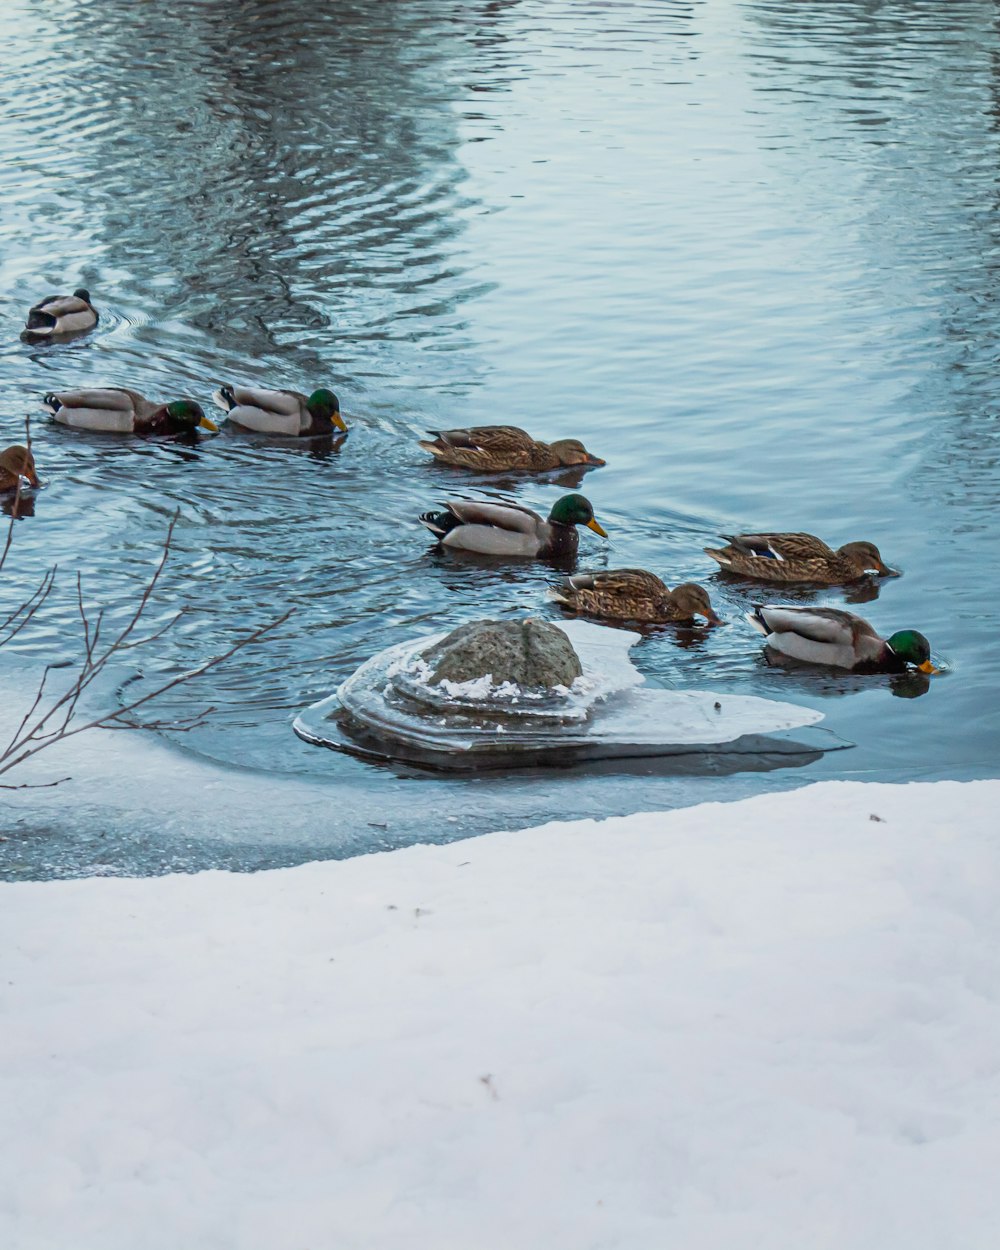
{"x": 45, "y": 725}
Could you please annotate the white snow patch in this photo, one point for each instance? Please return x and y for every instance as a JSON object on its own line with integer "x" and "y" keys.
{"x": 766, "y": 1024}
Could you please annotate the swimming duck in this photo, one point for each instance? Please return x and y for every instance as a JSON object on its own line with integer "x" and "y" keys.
{"x": 16, "y": 463}
{"x": 61, "y": 314}
{"x": 839, "y": 639}
{"x": 121, "y": 411}
{"x": 281, "y": 412}
{"x": 506, "y": 529}
{"x": 633, "y": 595}
{"x": 496, "y": 448}
{"x": 797, "y": 558}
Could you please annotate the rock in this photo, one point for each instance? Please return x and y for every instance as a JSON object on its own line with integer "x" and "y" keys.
{"x": 532, "y": 654}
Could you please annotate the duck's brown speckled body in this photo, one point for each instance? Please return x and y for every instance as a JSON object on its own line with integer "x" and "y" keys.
{"x": 797, "y": 558}
{"x": 503, "y": 448}
{"x": 634, "y": 595}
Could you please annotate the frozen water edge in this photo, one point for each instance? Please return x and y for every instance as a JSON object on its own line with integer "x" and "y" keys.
{"x": 767, "y": 1023}
{"x": 137, "y": 805}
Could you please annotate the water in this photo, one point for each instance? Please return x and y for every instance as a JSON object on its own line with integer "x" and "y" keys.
{"x": 745, "y": 250}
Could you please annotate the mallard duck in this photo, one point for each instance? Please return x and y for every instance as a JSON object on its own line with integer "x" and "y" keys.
{"x": 506, "y": 529}
{"x": 281, "y": 412}
{"x": 120, "y": 411}
{"x": 633, "y": 595}
{"x": 839, "y": 639}
{"x": 61, "y": 314}
{"x": 797, "y": 558}
{"x": 495, "y": 448}
{"x": 16, "y": 463}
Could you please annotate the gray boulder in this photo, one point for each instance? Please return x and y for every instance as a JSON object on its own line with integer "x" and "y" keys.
{"x": 532, "y": 654}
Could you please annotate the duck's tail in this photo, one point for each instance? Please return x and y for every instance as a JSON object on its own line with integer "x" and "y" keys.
{"x": 439, "y": 523}
{"x": 225, "y": 398}
{"x": 756, "y": 619}
{"x": 51, "y": 402}
{"x": 719, "y": 555}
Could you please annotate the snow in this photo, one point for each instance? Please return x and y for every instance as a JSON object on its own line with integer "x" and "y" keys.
{"x": 766, "y": 1024}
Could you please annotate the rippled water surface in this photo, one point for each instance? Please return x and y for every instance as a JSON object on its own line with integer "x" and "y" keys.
{"x": 745, "y": 250}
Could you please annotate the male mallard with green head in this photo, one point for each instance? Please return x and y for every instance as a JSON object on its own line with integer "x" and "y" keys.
{"x": 839, "y": 639}
{"x": 288, "y": 413}
{"x": 500, "y": 448}
{"x": 797, "y": 558}
{"x": 117, "y": 410}
{"x": 61, "y": 314}
{"x": 16, "y": 463}
{"x": 507, "y": 529}
{"x": 634, "y": 595}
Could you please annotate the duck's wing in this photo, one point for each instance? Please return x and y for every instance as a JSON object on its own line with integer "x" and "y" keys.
{"x": 61, "y": 305}
{"x": 826, "y": 625}
{"x": 110, "y": 399}
{"x": 503, "y": 516}
{"x": 284, "y": 403}
{"x": 794, "y": 546}
{"x": 111, "y": 410}
{"x": 486, "y": 438}
{"x": 624, "y": 583}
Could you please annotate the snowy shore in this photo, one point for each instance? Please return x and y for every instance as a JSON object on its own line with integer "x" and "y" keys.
{"x": 770, "y": 1023}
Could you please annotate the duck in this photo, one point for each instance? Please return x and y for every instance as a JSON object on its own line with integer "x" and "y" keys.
{"x": 836, "y": 638}
{"x": 61, "y": 314}
{"x": 797, "y": 558}
{"x": 634, "y": 595}
{"x": 498, "y": 448}
{"x": 17, "y": 462}
{"x": 507, "y": 529}
{"x": 281, "y": 412}
{"x": 117, "y": 410}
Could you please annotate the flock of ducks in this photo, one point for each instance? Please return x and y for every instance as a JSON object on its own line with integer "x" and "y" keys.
{"x": 831, "y": 637}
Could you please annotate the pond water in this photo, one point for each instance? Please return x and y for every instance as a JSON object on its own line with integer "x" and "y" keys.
{"x": 743, "y": 248}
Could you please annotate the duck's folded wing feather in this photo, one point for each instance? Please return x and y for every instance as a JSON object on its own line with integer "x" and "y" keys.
{"x": 831, "y": 625}
{"x": 504, "y": 516}
{"x": 620, "y": 582}
{"x": 795, "y": 546}
{"x": 485, "y": 438}
{"x": 61, "y": 305}
{"x": 287, "y": 403}
{"x": 110, "y": 399}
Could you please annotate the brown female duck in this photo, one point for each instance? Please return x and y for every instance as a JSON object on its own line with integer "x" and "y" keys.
{"x": 797, "y": 558}
{"x": 16, "y": 463}
{"x": 634, "y": 595}
{"x": 500, "y": 448}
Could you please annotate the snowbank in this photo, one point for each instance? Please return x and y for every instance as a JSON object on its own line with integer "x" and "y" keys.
{"x": 766, "y": 1024}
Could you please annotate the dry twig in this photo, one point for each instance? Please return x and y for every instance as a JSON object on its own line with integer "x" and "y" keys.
{"x": 46, "y": 723}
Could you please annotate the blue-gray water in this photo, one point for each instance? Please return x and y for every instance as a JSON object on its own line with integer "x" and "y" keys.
{"x": 744, "y": 248}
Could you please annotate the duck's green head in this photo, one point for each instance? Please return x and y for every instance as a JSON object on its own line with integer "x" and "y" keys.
{"x": 185, "y": 414}
{"x": 912, "y": 648}
{"x": 323, "y": 405}
{"x": 81, "y": 292}
{"x": 575, "y": 510}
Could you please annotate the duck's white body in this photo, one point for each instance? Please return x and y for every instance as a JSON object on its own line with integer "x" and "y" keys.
{"x": 267, "y": 412}
{"x": 827, "y": 636}
{"x": 111, "y": 411}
